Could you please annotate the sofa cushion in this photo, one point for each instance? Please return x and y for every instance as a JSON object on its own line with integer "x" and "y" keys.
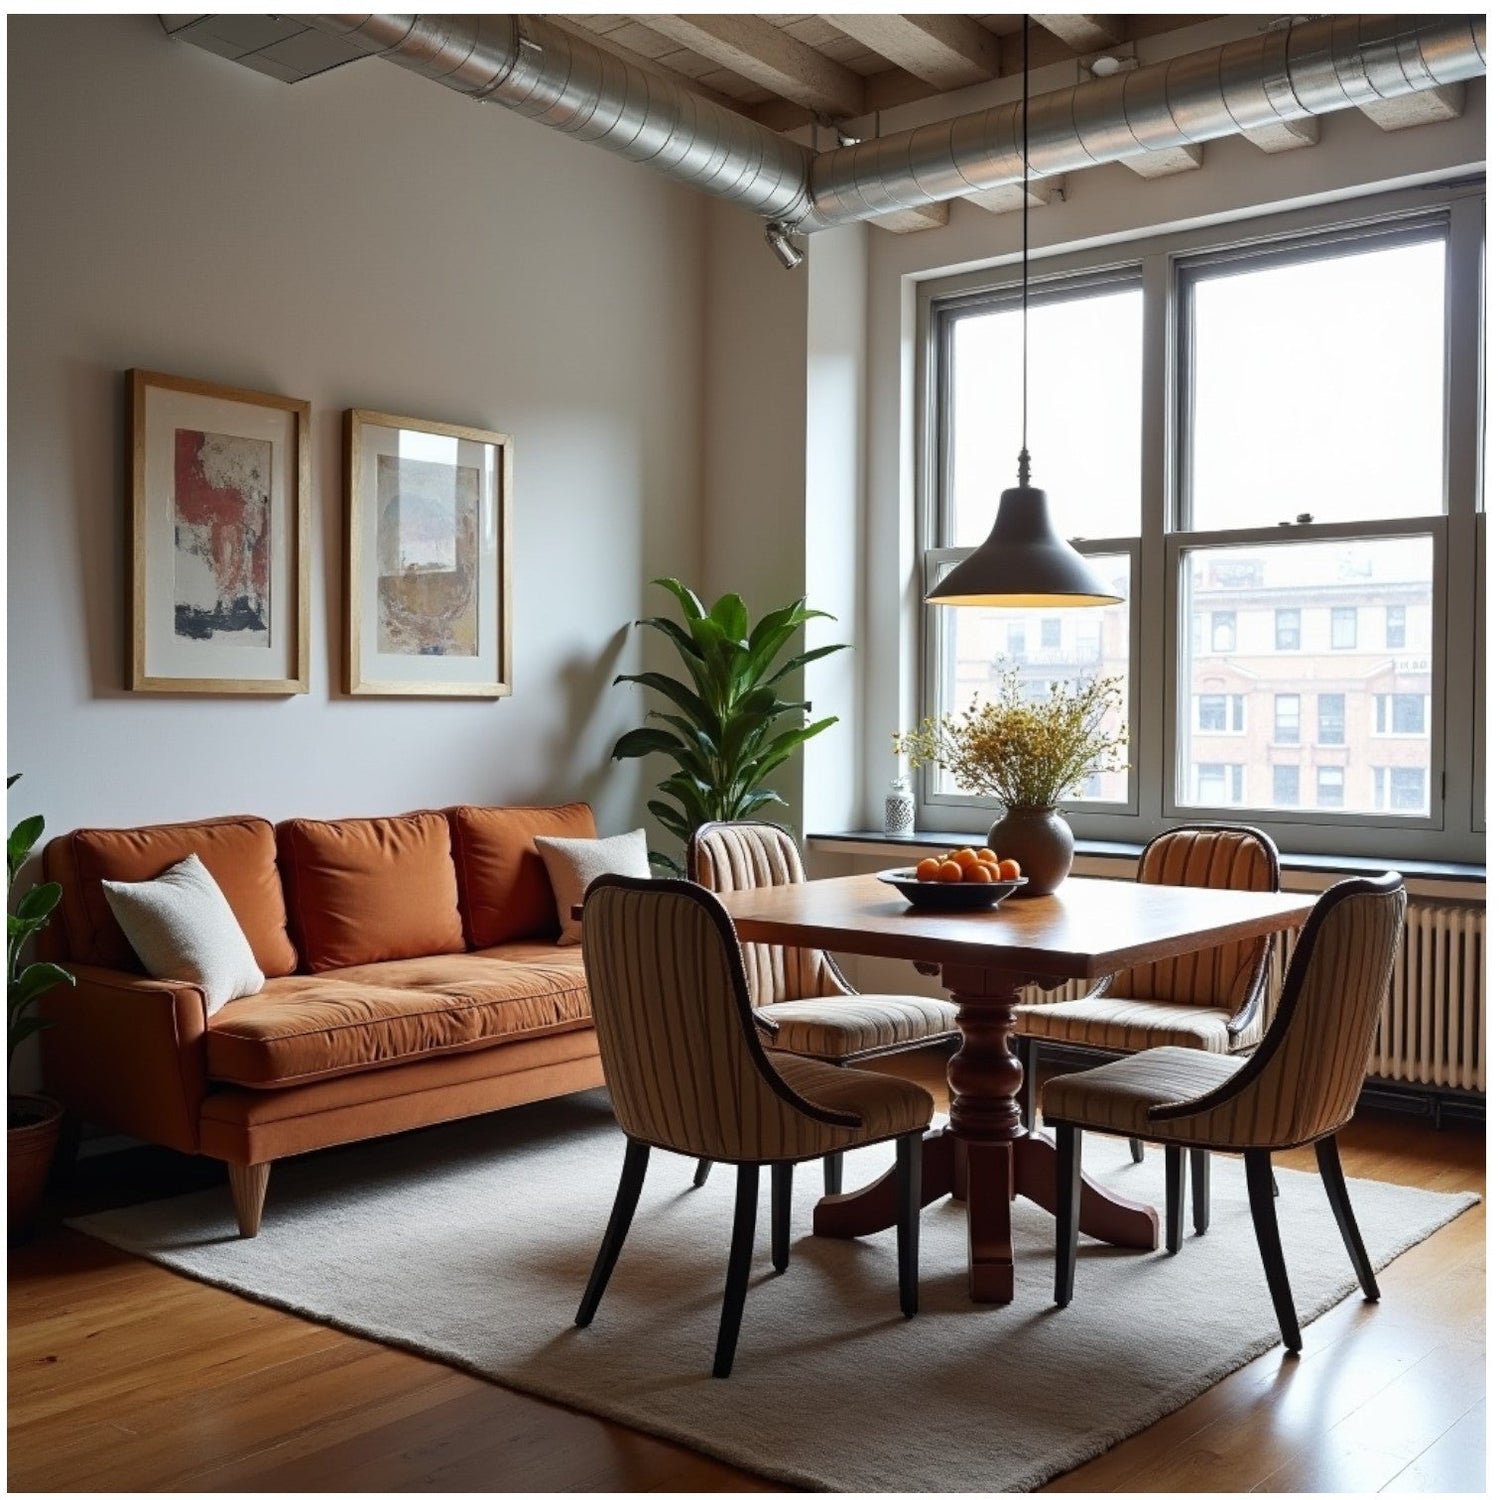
{"x": 239, "y": 852}
{"x": 361, "y": 890}
{"x": 308, "y": 1027}
{"x": 502, "y": 883}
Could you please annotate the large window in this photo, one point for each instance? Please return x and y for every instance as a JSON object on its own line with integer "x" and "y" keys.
{"x": 1266, "y": 444}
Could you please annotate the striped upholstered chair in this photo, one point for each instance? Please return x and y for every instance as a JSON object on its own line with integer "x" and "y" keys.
{"x": 688, "y": 1072}
{"x": 1300, "y": 1085}
{"x": 1213, "y": 1001}
{"x": 816, "y": 1011}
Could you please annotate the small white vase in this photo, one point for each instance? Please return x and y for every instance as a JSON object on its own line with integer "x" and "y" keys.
{"x": 900, "y": 807}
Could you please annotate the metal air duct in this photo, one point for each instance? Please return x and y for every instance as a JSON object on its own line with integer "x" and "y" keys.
{"x": 1314, "y": 68}
{"x": 538, "y": 69}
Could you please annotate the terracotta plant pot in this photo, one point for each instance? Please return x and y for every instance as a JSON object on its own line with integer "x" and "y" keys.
{"x": 35, "y": 1123}
{"x": 1040, "y": 840}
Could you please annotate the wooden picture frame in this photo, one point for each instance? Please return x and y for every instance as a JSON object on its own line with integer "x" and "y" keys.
{"x": 428, "y": 558}
{"x": 218, "y": 538}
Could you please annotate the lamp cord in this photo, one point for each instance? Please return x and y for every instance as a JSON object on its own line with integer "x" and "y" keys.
{"x": 1025, "y": 461}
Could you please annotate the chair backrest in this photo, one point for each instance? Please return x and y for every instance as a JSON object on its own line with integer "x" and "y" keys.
{"x": 748, "y": 856}
{"x": 676, "y": 1034}
{"x": 1221, "y": 856}
{"x": 1304, "y": 1079}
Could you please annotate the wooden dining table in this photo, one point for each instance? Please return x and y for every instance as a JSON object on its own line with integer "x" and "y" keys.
{"x": 985, "y": 1155}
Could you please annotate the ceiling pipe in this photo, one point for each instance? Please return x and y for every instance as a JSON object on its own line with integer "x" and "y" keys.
{"x": 538, "y": 69}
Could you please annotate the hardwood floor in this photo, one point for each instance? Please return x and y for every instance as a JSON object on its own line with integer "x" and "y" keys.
{"x": 125, "y": 1376}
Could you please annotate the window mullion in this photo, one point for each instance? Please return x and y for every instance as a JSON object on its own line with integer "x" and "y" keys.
{"x": 1153, "y": 649}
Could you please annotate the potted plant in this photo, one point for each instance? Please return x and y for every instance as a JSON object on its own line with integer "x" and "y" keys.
{"x": 34, "y": 1121}
{"x": 730, "y": 728}
{"x": 1028, "y": 754}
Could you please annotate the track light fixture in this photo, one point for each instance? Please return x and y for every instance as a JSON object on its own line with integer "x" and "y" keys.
{"x": 782, "y": 247}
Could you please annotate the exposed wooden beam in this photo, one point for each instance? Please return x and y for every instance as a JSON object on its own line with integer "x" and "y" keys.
{"x": 913, "y": 220}
{"x": 1446, "y": 102}
{"x": 1085, "y": 33}
{"x": 1286, "y": 135}
{"x": 949, "y": 52}
{"x": 1006, "y": 200}
{"x": 768, "y": 56}
{"x": 1167, "y": 162}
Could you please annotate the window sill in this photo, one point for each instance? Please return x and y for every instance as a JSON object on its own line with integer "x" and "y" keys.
{"x": 1455, "y": 882}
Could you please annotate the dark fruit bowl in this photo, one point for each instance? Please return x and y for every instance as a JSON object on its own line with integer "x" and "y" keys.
{"x": 940, "y": 895}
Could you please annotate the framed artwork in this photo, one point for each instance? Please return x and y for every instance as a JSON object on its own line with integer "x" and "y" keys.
{"x": 428, "y": 590}
{"x": 219, "y": 557}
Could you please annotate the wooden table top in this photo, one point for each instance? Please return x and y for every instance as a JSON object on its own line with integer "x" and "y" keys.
{"x": 1087, "y": 929}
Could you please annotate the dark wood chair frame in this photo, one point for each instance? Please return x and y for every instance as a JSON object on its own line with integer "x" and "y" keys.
{"x": 833, "y": 1163}
{"x": 747, "y": 1185}
{"x": 1258, "y": 1178}
{"x": 1025, "y": 1047}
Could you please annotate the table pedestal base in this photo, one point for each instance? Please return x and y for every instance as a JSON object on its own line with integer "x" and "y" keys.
{"x": 995, "y": 1172}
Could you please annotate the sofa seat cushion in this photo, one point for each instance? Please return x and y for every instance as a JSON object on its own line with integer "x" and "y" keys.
{"x": 303, "y": 1028}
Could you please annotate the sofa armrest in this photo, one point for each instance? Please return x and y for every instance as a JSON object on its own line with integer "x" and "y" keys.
{"x": 129, "y": 1053}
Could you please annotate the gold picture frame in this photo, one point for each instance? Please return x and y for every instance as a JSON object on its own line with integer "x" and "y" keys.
{"x": 218, "y": 538}
{"x": 428, "y": 558}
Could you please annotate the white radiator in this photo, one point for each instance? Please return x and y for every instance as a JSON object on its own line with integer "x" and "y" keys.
{"x": 1432, "y": 1027}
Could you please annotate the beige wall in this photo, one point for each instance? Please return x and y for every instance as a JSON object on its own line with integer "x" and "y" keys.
{"x": 363, "y": 239}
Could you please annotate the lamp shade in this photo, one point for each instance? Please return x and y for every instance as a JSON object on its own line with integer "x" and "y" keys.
{"x": 1023, "y": 563}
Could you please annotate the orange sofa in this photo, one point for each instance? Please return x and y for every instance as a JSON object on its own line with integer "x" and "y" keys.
{"x": 412, "y": 976}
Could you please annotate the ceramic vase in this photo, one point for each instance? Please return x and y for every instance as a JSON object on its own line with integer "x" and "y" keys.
{"x": 1040, "y": 840}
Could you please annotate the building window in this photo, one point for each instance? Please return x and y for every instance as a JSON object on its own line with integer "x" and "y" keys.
{"x": 1288, "y": 727}
{"x": 1401, "y": 789}
{"x": 1330, "y": 718}
{"x": 1343, "y": 629}
{"x": 1221, "y": 713}
{"x": 1051, "y": 635}
{"x": 1395, "y": 627}
{"x": 1286, "y": 790}
{"x": 1288, "y": 629}
{"x": 1015, "y": 639}
{"x": 1222, "y": 631}
{"x": 1400, "y": 713}
{"x": 1330, "y": 786}
{"x": 1220, "y": 785}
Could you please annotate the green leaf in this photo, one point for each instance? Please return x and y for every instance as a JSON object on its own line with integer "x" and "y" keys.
{"x": 22, "y": 837}
{"x": 732, "y": 618}
{"x": 39, "y": 902}
{"x": 36, "y": 979}
{"x": 666, "y": 865}
{"x": 692, "y": 605}
{"x": 684, "y": 697}
{"x": 793, "y": 663}
{"x": 12, "y": 779}
{"x": 670, "y": 819}
{"x": 635, "y": 743}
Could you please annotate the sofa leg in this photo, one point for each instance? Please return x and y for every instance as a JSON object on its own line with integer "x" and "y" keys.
{"x": 247, "y": 1185}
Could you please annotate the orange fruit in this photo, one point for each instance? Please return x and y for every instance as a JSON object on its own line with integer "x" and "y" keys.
{"x": 1008, "y": 869}
{"x": 979, "y": 873}
{"x": 950, "y": 871}
{"x": 965, "y": 858}
{"x": 988, "y": 855}
{"x": 927, "y": 870}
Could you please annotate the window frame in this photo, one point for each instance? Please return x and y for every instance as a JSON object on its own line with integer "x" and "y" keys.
{"x": 1157, "y": 632}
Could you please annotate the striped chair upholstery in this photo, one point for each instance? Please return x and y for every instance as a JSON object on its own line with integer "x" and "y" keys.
{"x": 816, "y": 1010}
{"x": 688, "y": 1072}
{"x": 1300, "y": 1084}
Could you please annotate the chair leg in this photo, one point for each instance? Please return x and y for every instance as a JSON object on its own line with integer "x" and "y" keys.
{"x": 1174, "y": 1199}
{"x": 741, "y": 1244}
{"x": 1198, "y": 1161}
{"x": 833, "y": 1172}
{"x": 781, "y": 1215}
{"x": 1263, "y": 1212}
{"x": 1343, "y": 1212}
{"x": 908, "y": 1226}
{"x": 1137, "y": 1150}
{"x": 627, "y": 1195}
{"x": 247, "y": 1187}
{"x": 1069, "y": 1197}
{"x": 1025, "y": 1050}
{"x": 704, "y": 1167}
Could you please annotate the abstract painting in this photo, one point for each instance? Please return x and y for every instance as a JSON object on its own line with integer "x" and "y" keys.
{"x": 222, "y": 537}
{"x": 427, "y": 544}
{"x": 428, "y": 584}
{"x": 218, "y": 538}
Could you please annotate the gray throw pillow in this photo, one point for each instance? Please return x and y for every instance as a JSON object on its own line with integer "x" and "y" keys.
{"x": 573, "y": 863}
{"x": 181, "y": 927}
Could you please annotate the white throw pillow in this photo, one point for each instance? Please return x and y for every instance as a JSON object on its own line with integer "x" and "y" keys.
{"x": 181, "y": 927}
{"x": 573, "y": 863}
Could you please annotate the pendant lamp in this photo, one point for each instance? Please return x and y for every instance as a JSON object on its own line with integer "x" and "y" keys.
{"x": 1024, "y": 562}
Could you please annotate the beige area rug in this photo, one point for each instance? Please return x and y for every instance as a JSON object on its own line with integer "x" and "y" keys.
{"x": 471, "y": 1243}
